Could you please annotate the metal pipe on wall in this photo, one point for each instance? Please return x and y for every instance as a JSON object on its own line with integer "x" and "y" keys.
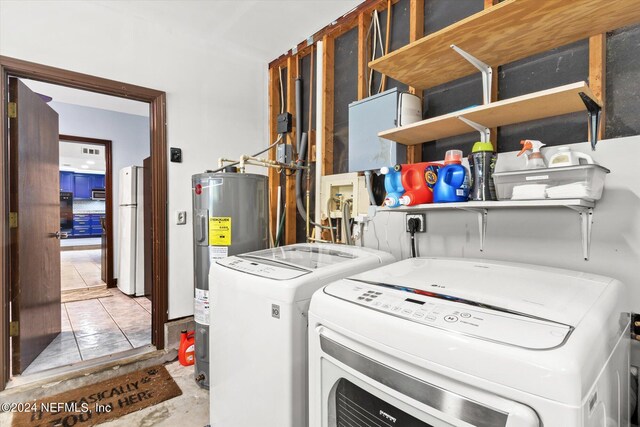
{"x": 319, "y": 133}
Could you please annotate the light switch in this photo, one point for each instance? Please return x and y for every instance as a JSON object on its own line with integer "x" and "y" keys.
{"x": 181, "y": 217}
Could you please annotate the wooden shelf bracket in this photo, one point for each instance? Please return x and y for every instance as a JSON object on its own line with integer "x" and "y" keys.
{"x": 485, "y": 69}
{"x": 595, "y": 112}
{"x": 485, "y": 132}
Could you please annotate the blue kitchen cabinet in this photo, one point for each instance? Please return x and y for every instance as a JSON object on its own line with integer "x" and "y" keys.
{"x": 96, "y": 228}
{"x": 66, "y": 181}
{"x": 87, "y": 225}
{"x": 97, "y": 181}
{"x": 82, "y": 186}
{"x": 81, "y": 225}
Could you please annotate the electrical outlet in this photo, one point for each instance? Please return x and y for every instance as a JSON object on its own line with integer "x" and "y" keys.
{"x": 181, "y": 217}
{"x": 422, "y": 219}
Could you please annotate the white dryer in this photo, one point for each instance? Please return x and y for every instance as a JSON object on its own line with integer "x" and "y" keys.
{"x": 259, "y": 303}
{"x": 446, "y": 342}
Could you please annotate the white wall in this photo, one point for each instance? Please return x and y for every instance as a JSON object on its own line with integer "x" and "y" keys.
{"x": 216, "y": 88}
{"x": 544, "y": 236}
{"x": 130, "y": 144}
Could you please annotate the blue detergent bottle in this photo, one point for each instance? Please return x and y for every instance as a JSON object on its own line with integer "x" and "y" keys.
{"x": 393, "y": 185}
{"x": 453, "y": 180}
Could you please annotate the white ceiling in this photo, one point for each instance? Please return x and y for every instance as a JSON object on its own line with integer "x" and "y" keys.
{"x": 73, "y": 159}
{"x": 262, "y": 29}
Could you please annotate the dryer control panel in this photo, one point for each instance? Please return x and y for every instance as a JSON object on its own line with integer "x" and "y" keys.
{"x": 451, "y": 314}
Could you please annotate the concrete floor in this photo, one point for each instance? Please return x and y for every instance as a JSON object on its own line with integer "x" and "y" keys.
{"x": 190, "y": 409}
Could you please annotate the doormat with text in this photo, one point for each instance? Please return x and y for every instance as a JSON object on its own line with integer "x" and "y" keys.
{"x": 100, "y": 402}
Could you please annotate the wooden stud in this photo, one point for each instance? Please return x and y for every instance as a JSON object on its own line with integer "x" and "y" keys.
{"x": 416, "y": 31}
{"x": 598, "y": 73}
{"x": 387, "y": 42}
{"x": 364, "y": 20}
{"x": 335, "y": 29}
{"x": 327, "y": 104}
{"x": 274, "y": 177}
{"x": 493, "y": 132}
{"x": 290, "y": 190}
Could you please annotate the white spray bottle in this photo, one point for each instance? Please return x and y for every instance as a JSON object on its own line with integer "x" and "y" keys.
{"x": 531, "y": 148}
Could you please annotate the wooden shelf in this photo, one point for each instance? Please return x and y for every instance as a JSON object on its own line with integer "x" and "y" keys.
{"x": 481, "y": 209}
{"x": 538, "y": 105}
{"x": 506, "y": 32}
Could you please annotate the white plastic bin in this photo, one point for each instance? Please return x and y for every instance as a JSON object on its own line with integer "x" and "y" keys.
{"x": 571, "y": 182}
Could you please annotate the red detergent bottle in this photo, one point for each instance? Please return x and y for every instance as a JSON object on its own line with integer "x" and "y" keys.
{"x": 418, "y": 180}
{"x": 186, "y": 351}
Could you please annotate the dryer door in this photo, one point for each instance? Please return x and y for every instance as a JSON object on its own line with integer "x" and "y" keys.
{"x": 358, "y": 389}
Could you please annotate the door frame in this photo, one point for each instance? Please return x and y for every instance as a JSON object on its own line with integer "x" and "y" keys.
{"x": 108, "y": 185}
{"x": 157, "y": 122}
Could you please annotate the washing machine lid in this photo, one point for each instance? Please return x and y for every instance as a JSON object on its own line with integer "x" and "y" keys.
{"x": 561, "y": 296}
{"x": 290, "y": 262}
{"x": 548, "y": 294}
{"x": 304, "y": 256}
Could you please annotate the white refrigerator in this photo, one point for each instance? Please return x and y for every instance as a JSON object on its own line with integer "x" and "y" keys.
{"x": 130, "y": 232}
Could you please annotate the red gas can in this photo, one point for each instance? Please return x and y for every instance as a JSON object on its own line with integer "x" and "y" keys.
{"x": 186, "y": 352}
{"x": 418, "y": 180}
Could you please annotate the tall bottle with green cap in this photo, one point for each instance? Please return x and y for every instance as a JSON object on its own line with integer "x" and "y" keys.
{"x": 482, "y": 163}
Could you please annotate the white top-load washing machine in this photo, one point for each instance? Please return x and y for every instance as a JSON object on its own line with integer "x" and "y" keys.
{"x": 446, "y": 342}
{"x": 259, "y": 304}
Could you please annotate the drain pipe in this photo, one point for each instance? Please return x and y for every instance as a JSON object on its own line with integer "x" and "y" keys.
{"x": 298, "y": 113}
{"x": 319, "y": 133}
{"x": 368, "y": 183}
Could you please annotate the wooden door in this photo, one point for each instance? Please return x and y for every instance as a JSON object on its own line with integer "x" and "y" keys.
{"x": 34, "y": 183}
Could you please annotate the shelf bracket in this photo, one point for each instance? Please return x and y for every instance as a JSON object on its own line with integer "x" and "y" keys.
{"x": 483, "y": 214}
{"x": 485, "y": 69}
{"x": 485, "y": 132}
{"x": 595, "y": 111}
{"x": 586, "y": 222}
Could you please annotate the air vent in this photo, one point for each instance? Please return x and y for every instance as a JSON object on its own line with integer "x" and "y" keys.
{"x": 93, "y": 151}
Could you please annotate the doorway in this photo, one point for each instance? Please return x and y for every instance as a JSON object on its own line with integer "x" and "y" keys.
{"x": 156, "y": 100}
{"x": 86, "y": 212}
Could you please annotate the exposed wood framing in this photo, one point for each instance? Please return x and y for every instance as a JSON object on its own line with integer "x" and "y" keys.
{"x": 387, "y": 42}
{"x": 274, "y": 181}
{"x": 364, "y": 20}
{"x": 416, "y": 31}
{"x": 290, "y": 194}
{"x": 493, "y": 135}
{"x": 598, "y": 72}
{"x": 327, "y": 104}
{"x": 335, "y": 29}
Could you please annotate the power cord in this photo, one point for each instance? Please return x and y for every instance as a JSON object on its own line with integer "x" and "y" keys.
{"x": 414, "y": 225}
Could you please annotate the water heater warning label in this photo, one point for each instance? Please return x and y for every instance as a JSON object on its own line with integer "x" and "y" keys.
{"x": 201, "y": 307}
{"x": 220, "y": 231}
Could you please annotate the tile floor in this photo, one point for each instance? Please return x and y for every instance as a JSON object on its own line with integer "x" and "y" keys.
{"x": 95, "y": 328}
{"x": 82, "y": 241}
{"x": 80, "y": 269}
